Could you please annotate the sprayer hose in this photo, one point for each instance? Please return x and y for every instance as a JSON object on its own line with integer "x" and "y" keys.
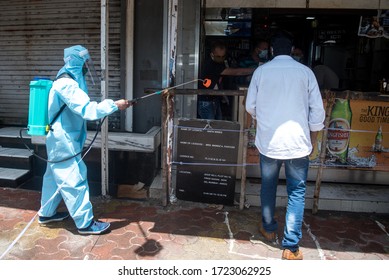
{"x": 65, "y": 159}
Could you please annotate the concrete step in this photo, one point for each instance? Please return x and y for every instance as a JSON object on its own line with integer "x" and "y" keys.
{"x": 11, "y": 177}
{"x": 333, "y": 196}
{"x": 15, "y": 158}
{"x": 10, "y": 137}
{"x": 359, "y": 198}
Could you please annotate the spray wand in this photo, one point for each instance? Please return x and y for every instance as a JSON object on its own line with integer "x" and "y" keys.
{"x": 206, "y": 83}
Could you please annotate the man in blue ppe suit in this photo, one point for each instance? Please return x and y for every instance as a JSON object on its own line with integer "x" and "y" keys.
{"x": 67, "y": 180}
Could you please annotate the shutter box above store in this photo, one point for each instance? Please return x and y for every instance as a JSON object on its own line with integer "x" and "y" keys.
{"x": 315, "y": 4}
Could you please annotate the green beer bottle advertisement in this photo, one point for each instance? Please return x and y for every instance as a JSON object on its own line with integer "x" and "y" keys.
{"x": 339, "y": 130}
{"x": 378, "y": 140}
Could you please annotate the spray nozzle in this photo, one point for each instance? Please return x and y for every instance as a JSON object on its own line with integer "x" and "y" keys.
{"x": 207, "y": 83}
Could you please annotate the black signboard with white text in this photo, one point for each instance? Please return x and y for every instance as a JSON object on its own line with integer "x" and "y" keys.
{"x": 206, "y": 156}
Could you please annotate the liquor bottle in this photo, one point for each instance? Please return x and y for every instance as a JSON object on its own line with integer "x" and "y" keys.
{"x": 378, "y": 141}
{"x": 339, "y": 130}
{"x": 387, "y": 88}
{"x": 384, "y": 86}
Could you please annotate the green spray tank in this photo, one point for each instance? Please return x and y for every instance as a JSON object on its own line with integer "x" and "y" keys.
{"x": 38, "y": 119}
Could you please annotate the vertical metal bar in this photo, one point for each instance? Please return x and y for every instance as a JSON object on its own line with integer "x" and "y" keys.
{"x": 168, "y": 33}
{"x": 170, "y": 140}
{"x": 129, "y": 57}
{"x": 104, "y": 94}
{"x": 244, "y": 133}
{"x": 330, "y": 99}
{"x": 167, "y": 145}
{"x": 164, "y": 195}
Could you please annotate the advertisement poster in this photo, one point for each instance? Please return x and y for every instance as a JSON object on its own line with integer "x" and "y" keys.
{"x": 375, "y": 27}
{"x": 358, "y": 137}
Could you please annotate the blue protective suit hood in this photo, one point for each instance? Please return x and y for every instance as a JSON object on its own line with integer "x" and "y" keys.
{"x": 75, "y": 58}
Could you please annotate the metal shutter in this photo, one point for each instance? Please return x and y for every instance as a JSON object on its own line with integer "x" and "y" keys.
{"x": 33, "y": 35}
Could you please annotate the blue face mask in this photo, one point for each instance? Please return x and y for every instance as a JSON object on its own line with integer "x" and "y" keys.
{"x": 263, "y": 54}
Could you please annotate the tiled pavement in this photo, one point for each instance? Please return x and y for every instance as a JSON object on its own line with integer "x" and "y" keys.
{"x": 186, "y": 231}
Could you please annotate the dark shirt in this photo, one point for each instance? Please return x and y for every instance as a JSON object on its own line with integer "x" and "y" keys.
{"x": 248, "y": 62}
{"x": 212, "y": 71}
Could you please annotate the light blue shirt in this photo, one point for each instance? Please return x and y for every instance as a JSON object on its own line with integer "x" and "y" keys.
{"x": 285, "y": 99}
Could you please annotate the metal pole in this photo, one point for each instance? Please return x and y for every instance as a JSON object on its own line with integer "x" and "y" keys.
{"x": 170, "y": 139}
{"x": 104, "y": 95}
{"x": 129, "y": 58}
{"x": 330, "y": 99}
{"x": 244, "y": 167}
{"x": 164, "y": 196}
{"x": 167, "y": 145}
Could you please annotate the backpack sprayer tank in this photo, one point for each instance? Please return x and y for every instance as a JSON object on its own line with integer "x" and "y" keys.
{"x": 38, "y": 107}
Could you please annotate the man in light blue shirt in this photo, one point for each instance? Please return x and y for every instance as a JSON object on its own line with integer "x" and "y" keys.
{"x": 285, "y": 100}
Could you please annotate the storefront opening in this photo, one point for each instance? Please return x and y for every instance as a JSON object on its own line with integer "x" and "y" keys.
{"x": 324, "y": 36}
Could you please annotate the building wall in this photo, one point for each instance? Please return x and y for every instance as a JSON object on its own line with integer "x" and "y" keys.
{"x": 148, "y": 53}
{"x": 188, "y": 49}
{"x": 33, "y": 35}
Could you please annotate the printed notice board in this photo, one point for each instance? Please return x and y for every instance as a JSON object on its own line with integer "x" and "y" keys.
{"x": 206, "y": 157}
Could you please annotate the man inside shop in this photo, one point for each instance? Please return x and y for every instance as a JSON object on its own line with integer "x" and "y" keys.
{"x": 209, "y": 106}
{"x": 258, "y": 56}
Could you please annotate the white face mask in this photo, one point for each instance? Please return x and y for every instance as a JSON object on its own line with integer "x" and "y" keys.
{"x": 297, "y": 58}
{"x": 262, "y": 54}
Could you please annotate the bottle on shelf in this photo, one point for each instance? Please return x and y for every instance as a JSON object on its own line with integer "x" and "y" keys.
{"x": 383, "y": 86}
{"x": 387, "y": 88}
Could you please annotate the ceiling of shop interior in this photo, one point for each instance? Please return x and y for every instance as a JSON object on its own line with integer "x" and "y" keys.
{"x": 286, "y": 17}
{"x": 296, "y": 19}
{"x": 327, "y": 15}
{"x": 320, "y": 4}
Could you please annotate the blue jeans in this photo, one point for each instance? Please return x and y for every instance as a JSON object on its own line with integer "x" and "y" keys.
{"x": 296, "y": 171}
{"x": 209, "y": 110}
